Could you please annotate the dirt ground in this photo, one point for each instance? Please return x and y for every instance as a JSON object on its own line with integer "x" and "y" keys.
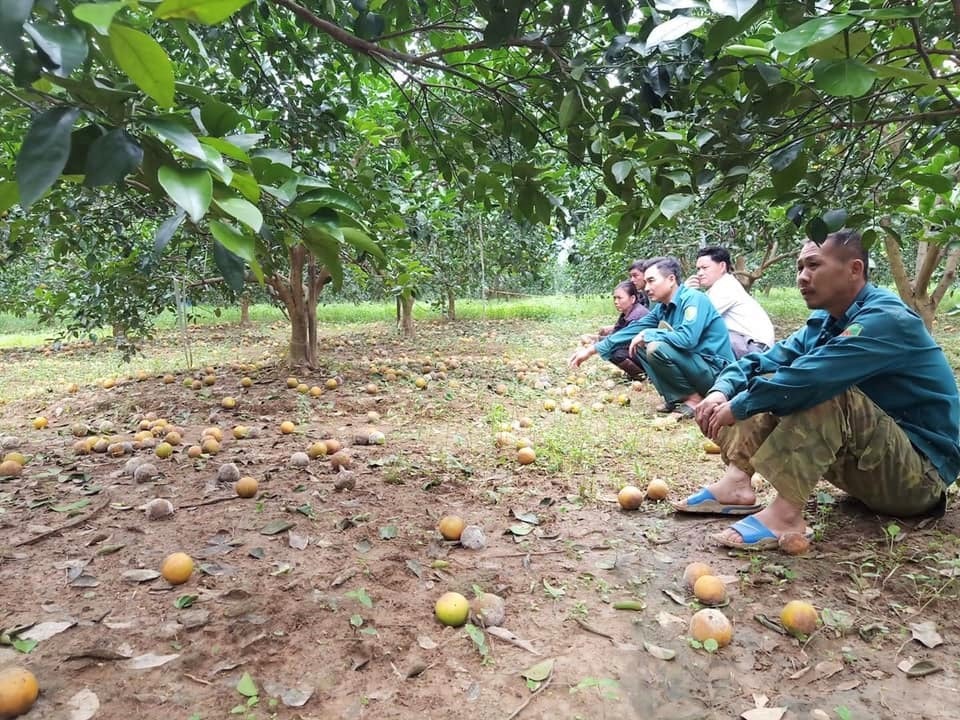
{"x": 331, "y": 616}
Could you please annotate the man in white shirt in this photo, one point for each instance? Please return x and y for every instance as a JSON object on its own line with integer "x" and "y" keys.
{"x": 748, "y": 324}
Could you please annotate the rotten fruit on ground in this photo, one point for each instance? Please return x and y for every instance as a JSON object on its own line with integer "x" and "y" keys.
{"x": 287, "y": 427}
{"x": 693, "y": 572}
{"x": 710, "y": 624}
{"x": 711, "y": 448}
{"x": 18, "y": 691}
{"x": 657, "y": 489}
{"x": 452, "y": 609}
{"x": 246, "y": 487}
{"x": 799, "y": 618}
{"x": 794, "y": 543}
{"x": 333, "y": 446}
{"x": 177, "y": 568}
{"x": 10, "y": 468}
{"x": 710, "y": 590}
{"x": 630, "y": 497}
{"x": 488, "y": 610}
{"x": 526, "y": 455}
{"x": 340, "y": 459}
{"x": 451, "y": 527}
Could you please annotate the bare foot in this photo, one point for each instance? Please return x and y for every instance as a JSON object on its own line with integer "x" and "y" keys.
{"x": 733, "y": 488}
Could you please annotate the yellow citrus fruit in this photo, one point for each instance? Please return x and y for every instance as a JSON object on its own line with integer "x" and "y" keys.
{"x": 452, "y": 609}
{"x": 10, "y": 468}
{"x": 420, "y": 382}
{"x": 316, "y": 391}
{"x": 711, "y": 624}
{"x": 246, "y": 382}
{"x": 333, "y": 446}
{"x": 241, "y": 431}
{"x": 549, "y": 405}
{"x": 303, "y": 388}
{"x": 228, "y": 403}
{"x": 710, "y": 590}
{"x": 164, "y": 450}
{"x": 331, "y": 383}
{"x": 177, "y": 568}
{"x": 317, "y": 449}
{"x": 17, "y": 457}
{"x": 194, "y": 451}
{"x": 40, "y": 423}
{"x": 799, "y": 618}
{"x": 209, "y": 379}
{"x": 711, "y": 448}
{"x": 214, "y": 432}
{"x": 451, "y": 526}
{"x": 287, "y": 427}
{"x": 173, "y": 437}
{"x": 18, "y": 691}
{"x": 246, "y": 487}
{"x": 210, "y": 445}
{"x": 526, "y": 455}
{"x": 694, "y": 571}
{"x": 73, "y": 387}
{"x": 630, "y": 497}
{"x": 292, "y": 382}
{"x": 657, "y": 489}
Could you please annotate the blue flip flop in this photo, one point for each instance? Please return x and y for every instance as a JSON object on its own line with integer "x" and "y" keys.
{"x": 755, "y": 535}
{"x": 705, "y": 502}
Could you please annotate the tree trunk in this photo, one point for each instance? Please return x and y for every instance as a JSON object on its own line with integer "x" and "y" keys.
{"x": 406, "y": 314}
{"x": 245, "y": 309}
{"x": 915, "y": 292}
{"x": 300, "y": 302}
{"x": 451, "y": 305}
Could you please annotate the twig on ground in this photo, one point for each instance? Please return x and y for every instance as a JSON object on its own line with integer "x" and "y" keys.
{"x": 212, "y": 501}
{"x": 66, "y": 526}
{"x": 546, "y": 684}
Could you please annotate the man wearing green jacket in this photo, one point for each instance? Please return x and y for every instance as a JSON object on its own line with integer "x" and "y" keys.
{"x": 861, "y": 396}
{"x": 682, "y": 344}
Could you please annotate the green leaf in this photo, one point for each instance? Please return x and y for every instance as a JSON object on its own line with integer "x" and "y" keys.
{"x": 111, "y": 158}
{"x": 673, "y": 205}
{"x": 621, "y": 169}
{"x": 8, "y": 195}
{"x": 44, "y": 152}
{"x": 214, "y": 161}
{"x": 246, "y": 686}
{"x": 327, "y": 197}
{"x": 356, "y": 620}
{"x": 785, "y": 156}
{"x": 812, "y": 32}
{"x": 539, "y": 672}
{"x": 144, "y": 62}
{"x": 191, "y": 189}
{"x": 570, "y": 108}
{"x": 246, "y": 185}
{"x": 243, "y": 246}
{"x": 388, "y": 532}
{"x": 225, "y": 147}
{"x": 817, "y": 230}
{"x": 219, "y": 118}
{"x": 834, "y": 219}
{"x": 231, "y": 268}
{"x": 711, "y": 645}
{"x": 24, "y": 646}
{"x": 732, "y": 8}
{"x": 361, "y": 597}
{"x": 326, "y": 249}
{"x": 100, "y": 15}
{"x": 370, "y": 26}
{"x": 64, "y": 45}
{"x": 166, "y": 231}
{"x": 673, "y": 29}
{"x": 71, "y": 508}
{"x": 892, "y": 13}
{"x": 208, "y": 12}
{"x": 244, "y": 211}
{"x": 172, "y": 130}
{"x": 843, "y": 78}
{"x": 937, "y": 183}
{"x": 362, "y": 241}
{"x": 13, "y": 14}
{"x": 786, "y": 180}
{"x": 185, "y": 601}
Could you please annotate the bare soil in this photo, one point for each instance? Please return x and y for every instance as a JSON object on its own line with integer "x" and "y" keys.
{"x": 348, "y": 619}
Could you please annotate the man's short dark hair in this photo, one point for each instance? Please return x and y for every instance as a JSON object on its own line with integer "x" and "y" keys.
{"x": 717, "y": 254}
{"x": 640, "y": 265}
{"x": 667, "y": 266}
{"x": 848, "y": 245}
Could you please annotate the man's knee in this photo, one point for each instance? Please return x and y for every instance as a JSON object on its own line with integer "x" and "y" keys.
{"x": 652, "y": 348}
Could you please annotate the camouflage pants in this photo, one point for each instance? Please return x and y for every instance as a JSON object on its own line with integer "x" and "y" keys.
{"x": 849, "y": 442}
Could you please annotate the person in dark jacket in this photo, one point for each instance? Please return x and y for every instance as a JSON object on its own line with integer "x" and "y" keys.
{"x": 861, "y": 396}
{"x": 626, "y": 299}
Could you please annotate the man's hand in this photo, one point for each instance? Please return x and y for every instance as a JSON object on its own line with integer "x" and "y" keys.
{"x": 692, "y": 282}
{"x": 580, "y": 355}
{"x": 637, "y": 342}
{"x": 720, "y": 418}
{"x": 706, "y": 409}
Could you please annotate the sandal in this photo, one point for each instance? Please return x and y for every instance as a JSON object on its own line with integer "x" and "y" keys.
{"x": 755, "y": 535}
{"x": 685, "y": 411}
{"x": 666, "y": 408}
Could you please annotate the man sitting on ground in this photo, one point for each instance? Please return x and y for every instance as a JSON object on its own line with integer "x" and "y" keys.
{"x": 748, "y": 324}
{"x": 682, "y": 344}
{"x": 861, "y": 396}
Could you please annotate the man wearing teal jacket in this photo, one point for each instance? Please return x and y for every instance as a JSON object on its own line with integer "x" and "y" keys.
{"x": 862, "y": 396}
{"x": 682, "y": 344}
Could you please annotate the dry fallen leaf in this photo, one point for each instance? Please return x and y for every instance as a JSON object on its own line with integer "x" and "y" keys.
{"x": 504, "y": 634}
{"x": 659, "y": 652}
{"x": 926, "y": 633}
{"x": 827, "y": 668}
{"x": 291, "y": 697}
{"x": 150, "y": 660}
{"x": 45, "y": 630}
{"x": 83, "y": 705}
{"x": 763, "y": 713}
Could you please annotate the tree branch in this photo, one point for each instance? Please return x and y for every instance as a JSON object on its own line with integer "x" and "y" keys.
{"x": 897, "y": 267}
{"x": 926, "y": 265}
{"x": 915, "y": 25}
{"x": 949, "y": 273}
